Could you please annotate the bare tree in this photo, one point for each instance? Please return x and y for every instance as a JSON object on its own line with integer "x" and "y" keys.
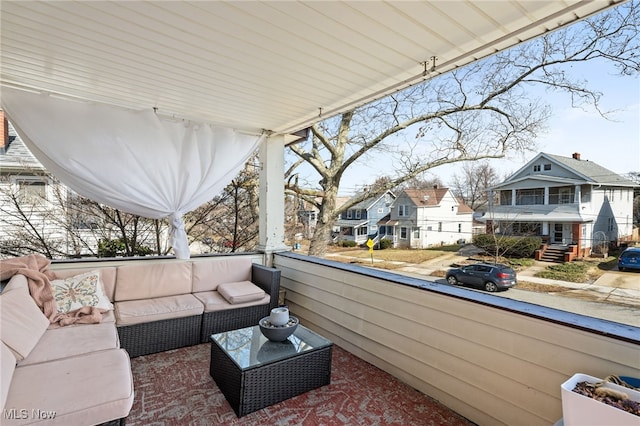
{"x": 481, "y": 111}
{"x": 471, "y": 183}
{"x": 58, "y": 223}
{"x": 229, "y": 222}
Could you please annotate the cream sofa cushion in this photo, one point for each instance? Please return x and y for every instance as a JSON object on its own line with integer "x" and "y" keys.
{"x": 83, "y": 390}
{"x": 23, "y": 323}
{"x": 8, "y": 365}
{"x": 73, "y": 340}
{"x": 240, "y": 292}
{"x": 213, "y": 301}
{"x": 17, "y": 282}
{"x": 209, "y": 273}
{"x": 160, "y": 308}
{"x": 135, "y": 282}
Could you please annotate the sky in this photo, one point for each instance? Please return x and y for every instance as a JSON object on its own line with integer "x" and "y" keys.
{"x": 613, "y": 143}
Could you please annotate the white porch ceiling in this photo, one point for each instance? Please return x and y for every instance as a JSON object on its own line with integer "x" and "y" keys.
{"x": 257, "y": 65}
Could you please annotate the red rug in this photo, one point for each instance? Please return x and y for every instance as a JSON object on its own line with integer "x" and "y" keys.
{"x": 174, "y": 388}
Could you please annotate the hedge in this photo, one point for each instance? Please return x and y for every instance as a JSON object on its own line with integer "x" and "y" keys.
{"x": 508, "y": 246}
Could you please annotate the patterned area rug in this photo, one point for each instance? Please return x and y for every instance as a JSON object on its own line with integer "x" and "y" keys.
{"x": 174, "y": 388}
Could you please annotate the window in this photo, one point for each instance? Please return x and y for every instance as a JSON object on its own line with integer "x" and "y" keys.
{"x": 349, "y": 214}
{"x": 562, "y": 195}
{"x": 380, "y": 210}
{"x": 547, "y": 166}
{"x": 403, "y": 233}
{"x": 459, "y": 228}
{"x": 416, "y": 233}
{"x": 429, "y": 228}
{"x": 32, "y": 190}
{"x": 526, "y": 228}
{"x": 362, "y": 230}
{"x": 403, "y": 210}
{"x": 505, "y": 198}
{"x": 536, "y": 168}
{"x": 439, "y": 226}
{"x": 527, "y": 197}
{"x": 358, "y": 214}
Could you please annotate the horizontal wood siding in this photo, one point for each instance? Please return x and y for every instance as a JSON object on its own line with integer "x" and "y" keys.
{"x": 491, "y": 365}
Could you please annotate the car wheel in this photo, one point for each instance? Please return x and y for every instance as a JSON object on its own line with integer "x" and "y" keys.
{"x": 620, "y": 268}
{"x": 489, "y": 286}
{"x": 452, "y": 280}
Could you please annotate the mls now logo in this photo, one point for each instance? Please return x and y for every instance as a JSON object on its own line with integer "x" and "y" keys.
{"x": 23, "y": 414}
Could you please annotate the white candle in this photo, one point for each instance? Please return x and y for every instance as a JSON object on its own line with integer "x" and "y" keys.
{"x": 279, "y": 316}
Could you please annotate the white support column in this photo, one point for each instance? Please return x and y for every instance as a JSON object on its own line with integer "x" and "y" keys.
{"x": 546, "y": 195}
{"x": 513, "y": 197}
{"x": 271, "y": 233}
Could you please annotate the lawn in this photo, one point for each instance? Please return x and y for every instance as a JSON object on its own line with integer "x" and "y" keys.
{"x": 391, "y": 255}
{"x": 576, "y": 272}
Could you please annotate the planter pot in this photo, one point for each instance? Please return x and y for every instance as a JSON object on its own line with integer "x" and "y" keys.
{"x": 580, "y": 410}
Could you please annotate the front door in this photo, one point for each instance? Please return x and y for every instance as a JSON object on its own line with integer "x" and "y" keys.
{"x": 562, "y": 233}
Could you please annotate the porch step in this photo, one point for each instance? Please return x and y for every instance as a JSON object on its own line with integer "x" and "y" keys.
{"x": 553, "y": 254}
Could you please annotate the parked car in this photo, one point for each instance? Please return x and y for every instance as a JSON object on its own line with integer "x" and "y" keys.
{"x": 629, "y": 259}
{"x": 483, "y": 275}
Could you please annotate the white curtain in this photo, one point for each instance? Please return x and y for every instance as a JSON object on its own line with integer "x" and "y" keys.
{"x": 135, "y": 161}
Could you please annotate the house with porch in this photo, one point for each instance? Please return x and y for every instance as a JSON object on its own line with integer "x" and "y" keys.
{"x": 422, "y": 218}
{"x": 573, "y": 203}
{"x": 176, "y": 87}
{"x": 360, "y": 221}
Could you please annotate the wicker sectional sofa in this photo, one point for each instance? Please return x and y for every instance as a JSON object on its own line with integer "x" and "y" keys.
{"x": 82, "y": 372}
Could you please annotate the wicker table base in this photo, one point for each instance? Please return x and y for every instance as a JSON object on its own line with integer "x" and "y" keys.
{"x": 253, "y": 373}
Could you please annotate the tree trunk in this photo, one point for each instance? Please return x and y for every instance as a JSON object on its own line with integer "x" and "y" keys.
{"x": 326, "y": 218}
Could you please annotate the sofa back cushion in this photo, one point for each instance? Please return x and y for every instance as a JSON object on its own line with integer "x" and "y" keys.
{"x": 23, "y": 323}
{"x": 135, "y": 282}
{"x": 8, "y": 362}
{"x": 107, "y": 276}
{"x": 209, "y": 273}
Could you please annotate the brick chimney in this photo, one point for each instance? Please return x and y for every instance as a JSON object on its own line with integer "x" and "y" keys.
{"x": 576, "y": 156}
{"x": 4, "y": 143}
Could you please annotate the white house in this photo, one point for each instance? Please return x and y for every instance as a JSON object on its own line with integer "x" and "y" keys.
{"x": 422, "y": 218}
{"x": 565, "y": 200}
{"x": 27, "y": 192}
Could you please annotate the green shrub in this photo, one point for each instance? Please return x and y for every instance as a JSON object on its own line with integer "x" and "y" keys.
{"x": 117, "y": 247}
{"x": 384, "y": 243}
{"x": 519, "y": 247}
{"x": 346, "y": 243}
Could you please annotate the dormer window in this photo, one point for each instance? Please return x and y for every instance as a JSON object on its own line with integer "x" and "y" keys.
{"x": 547, "y": 166}
{"x": 536, "y": 168}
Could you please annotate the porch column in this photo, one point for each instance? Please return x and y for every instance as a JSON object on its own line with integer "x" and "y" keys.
{"x": 546, "y": 195}
{"x": 513, "y": 197}
{"x": 271, "y": 202}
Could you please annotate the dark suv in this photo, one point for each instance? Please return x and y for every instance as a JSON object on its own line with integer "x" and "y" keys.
{"x": 629, "y": 259}
{"x": 483, "y": 275}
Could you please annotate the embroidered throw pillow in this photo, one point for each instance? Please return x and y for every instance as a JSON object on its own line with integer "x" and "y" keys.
{"x": 80, "y": 290}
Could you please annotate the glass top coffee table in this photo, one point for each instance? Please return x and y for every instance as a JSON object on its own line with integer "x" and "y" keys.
{"x": 253, "y": 372}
